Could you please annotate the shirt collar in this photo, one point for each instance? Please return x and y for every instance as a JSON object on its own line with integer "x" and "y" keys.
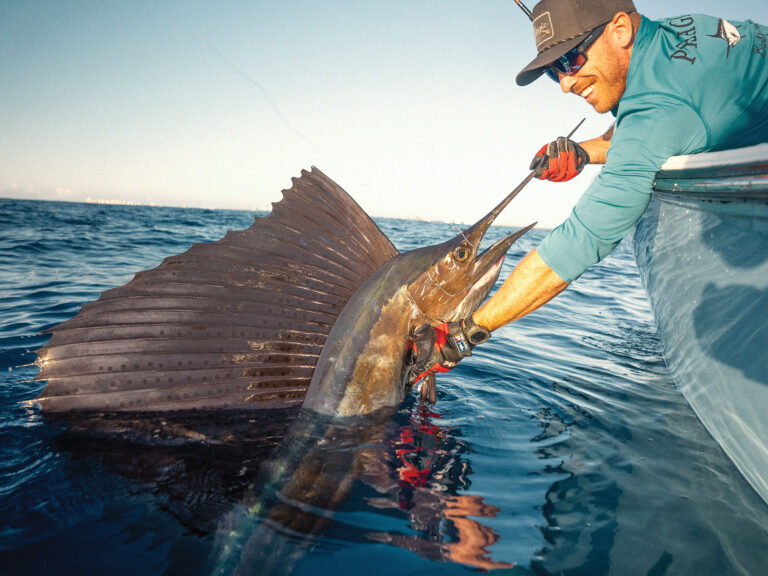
{"x": 643, "y": 37}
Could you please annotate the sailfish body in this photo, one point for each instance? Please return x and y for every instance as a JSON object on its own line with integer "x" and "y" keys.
{"x": 311, "y": 304}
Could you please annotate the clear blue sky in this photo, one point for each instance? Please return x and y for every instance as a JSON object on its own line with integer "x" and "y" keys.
{"x": 410, "y": 105}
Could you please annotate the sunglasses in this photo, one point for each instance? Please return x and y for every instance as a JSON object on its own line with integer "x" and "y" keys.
{"x": 573, "y": 60}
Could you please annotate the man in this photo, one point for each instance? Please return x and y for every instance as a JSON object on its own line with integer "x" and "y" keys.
{"x": 681, "y": 85}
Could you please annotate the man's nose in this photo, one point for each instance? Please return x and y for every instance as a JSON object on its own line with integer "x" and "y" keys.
{"x": 566, "y": 82}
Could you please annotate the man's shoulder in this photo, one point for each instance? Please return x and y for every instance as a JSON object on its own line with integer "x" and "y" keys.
{"x": 678, "y": 58}
{"x": 701, "y": 40}
{"x": 652, "y": 126}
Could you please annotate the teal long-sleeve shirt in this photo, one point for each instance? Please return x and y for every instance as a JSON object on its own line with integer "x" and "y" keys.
{"x": 695, "y": 84}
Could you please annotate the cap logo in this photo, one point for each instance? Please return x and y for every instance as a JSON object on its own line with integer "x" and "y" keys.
{"x": 542, "y": 29}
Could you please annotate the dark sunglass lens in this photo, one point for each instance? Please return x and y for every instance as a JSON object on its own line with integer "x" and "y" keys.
{"x": 577, "y": 62}
{"x": 563, "y": 64}
{"x": 570, "y": 63}
{"x": 573, "y": 60}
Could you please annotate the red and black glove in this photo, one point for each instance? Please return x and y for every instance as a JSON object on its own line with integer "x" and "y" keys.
{"x": 559, "y": 161}
{"x": 441, "y": 348}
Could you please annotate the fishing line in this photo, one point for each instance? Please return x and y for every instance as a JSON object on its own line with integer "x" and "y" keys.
{"x": 464, "y": 236}
{"x": 264, "y": 94}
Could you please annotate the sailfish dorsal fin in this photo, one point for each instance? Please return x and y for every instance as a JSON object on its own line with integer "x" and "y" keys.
{"x": 236, "y": 323}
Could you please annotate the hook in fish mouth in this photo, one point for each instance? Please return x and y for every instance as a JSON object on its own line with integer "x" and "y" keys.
{"x": 476, "y": 286}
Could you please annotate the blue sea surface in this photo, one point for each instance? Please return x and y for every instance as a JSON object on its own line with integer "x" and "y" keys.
{"x": 561, "y": 447}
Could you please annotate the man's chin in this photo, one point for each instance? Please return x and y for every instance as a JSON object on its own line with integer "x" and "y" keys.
{"x": 601, "y": 108}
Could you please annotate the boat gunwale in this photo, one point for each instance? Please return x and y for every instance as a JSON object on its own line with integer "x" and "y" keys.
{"x": 731, "y": 176}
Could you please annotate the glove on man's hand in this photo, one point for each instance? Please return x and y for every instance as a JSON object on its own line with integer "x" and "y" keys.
{"x": 441, "y": 348}
{"x": 559, "y": 161}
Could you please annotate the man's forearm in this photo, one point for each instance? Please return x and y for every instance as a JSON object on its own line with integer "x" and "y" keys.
{"x": 530, "y": 285}
{"x": 597, "y": 148}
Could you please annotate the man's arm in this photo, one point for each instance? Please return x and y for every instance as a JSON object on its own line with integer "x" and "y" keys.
{"x": 604, "y": 214}
{"x": 434, "y": 348}
{"x": 530, "y": 285}
{"x": 597, "y": 148}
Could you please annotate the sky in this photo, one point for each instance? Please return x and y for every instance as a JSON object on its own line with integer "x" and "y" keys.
{"x": 411, "y": 106}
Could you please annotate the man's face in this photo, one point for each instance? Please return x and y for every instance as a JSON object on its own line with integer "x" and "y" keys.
{"x": 603, "y": 79}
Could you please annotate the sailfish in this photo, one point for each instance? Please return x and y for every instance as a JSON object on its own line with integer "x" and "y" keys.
{"x": 311, "y": 306}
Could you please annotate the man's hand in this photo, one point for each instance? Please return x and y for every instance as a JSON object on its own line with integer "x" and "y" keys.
{"x": 441, "y": 348}
{"x": 559, "y": 161}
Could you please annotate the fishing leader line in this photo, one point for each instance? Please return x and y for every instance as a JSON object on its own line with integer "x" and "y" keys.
{"x": 278, "y": 113}
{"x": 239, "y": 72}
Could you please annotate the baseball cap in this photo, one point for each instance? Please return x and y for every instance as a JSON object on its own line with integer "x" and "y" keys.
{"x": 561, "y": 25}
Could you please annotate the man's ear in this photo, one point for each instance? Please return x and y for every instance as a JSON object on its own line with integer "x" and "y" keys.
{"x": 622, "y": 30}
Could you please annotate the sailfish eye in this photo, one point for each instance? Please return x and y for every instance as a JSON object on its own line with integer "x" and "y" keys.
{"x": 461, "y": 253}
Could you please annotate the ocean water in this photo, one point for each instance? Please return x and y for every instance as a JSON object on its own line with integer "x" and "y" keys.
{"x": 561, "y": 447}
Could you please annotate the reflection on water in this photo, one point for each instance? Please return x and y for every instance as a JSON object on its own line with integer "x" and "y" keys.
{"x": 429, "y": 473}
{"x": 411, "y": 468}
